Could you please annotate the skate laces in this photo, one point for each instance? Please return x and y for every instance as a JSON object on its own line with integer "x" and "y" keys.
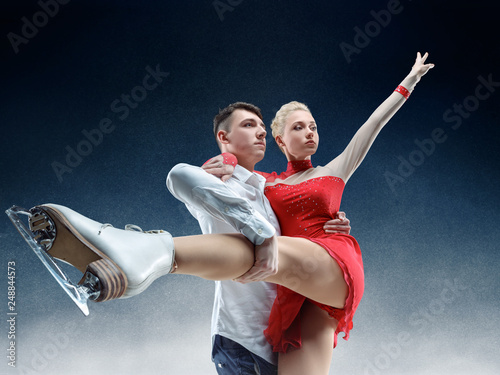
{"x": 137, "y": 228}
{"x": 104, "y": 226}
{"x": 132, "y": 228}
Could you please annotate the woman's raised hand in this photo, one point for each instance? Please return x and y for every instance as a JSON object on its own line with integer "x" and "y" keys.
{"x": 420, "y": 67}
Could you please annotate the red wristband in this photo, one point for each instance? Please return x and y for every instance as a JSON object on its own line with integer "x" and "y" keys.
{"x": 229, "y": 159}
{"x": 403, "y": 91}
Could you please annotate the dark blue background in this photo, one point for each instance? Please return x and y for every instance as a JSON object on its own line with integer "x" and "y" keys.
{"x": 438, "y": 226}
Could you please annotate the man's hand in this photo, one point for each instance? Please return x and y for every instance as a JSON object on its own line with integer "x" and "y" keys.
{"x": 217, "y": 168}
{"x": 338, "y": 225}
{"x": 266, "y": 262}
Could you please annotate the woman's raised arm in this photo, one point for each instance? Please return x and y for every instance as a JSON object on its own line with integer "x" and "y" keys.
{"x": 349, "y": 160}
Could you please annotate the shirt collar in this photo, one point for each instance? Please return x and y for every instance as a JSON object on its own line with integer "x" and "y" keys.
{"x": 251, "y": 178}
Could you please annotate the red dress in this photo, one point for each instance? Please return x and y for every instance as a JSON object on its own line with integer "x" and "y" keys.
{"x": 302, "y": 210}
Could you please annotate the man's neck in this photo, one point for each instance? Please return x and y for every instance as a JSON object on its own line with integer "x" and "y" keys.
{"x": 246, "y": 162}
{"x": 248, "y": 166}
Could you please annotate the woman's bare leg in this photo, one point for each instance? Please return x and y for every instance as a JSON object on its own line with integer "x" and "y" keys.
{"x": 214, "y": 256}
{"x": 304, "y": 266}
{"x": 315, "y": 355}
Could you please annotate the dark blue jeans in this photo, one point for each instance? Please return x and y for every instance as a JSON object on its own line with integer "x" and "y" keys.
{"x": 231, "y": 358}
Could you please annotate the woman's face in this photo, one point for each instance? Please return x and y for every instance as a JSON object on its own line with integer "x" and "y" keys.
{"x": 300, "y": 138}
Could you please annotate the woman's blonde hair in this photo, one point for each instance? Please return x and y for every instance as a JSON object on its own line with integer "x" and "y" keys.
{"x": 278, "y": 124}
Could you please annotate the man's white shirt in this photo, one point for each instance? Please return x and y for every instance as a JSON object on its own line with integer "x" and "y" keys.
{"x": 241, "y": 311}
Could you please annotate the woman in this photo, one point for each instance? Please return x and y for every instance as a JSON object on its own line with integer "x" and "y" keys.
{"x": 303, "y": 198}
{"x": 332, "y": 272}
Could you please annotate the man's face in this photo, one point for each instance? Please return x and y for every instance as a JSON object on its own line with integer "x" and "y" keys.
{"x": 246, "y": 139}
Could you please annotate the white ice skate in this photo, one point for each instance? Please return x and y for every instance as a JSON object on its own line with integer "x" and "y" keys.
{"x": 115, "y": 263}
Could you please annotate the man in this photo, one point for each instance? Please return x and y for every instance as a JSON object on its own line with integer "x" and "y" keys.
{"x": 241, "y": 311}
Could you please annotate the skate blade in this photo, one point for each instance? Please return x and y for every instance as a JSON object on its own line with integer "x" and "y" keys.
{"x": 79, "y": 294}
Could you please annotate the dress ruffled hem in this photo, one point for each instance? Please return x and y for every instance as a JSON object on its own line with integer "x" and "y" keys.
{"x": 283, "y": 331}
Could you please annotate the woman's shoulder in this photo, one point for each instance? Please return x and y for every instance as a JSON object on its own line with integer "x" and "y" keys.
{"x": 300, "y": 177}
{"x": 272, "y": 175}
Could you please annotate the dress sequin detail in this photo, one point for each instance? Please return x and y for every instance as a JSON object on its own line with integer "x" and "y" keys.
{"x": 302, "y": 210}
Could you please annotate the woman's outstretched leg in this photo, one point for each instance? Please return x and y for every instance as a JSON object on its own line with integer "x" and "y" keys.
{"x": 304, "y": 266}
{"x": 213, "y": 256}
{"x": 127, "y": 262}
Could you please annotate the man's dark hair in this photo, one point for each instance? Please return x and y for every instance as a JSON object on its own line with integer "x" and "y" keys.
{"x": 221, "y": 121}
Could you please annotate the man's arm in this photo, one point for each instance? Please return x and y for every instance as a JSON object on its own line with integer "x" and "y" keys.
{"x": 207, "y": 193}
{"x": 222, "y": 166}
{"x": 266, "y": 262}
{"x": 194, "y": 187}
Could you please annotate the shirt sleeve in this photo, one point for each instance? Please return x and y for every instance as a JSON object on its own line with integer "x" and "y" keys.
{"x": 206, "y": 193}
